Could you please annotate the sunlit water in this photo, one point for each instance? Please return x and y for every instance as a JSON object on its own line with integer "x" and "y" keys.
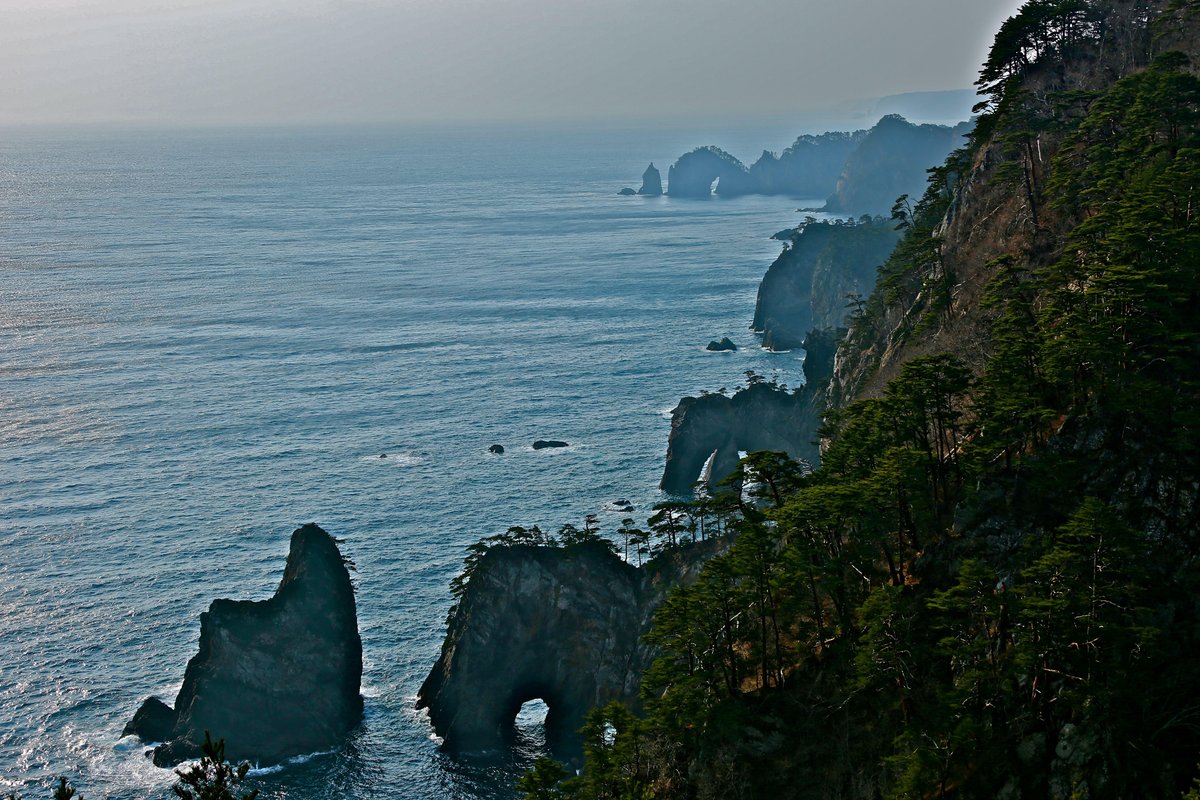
{"x": 207, "y": 339}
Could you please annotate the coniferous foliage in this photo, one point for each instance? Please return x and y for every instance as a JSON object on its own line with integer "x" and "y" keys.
{"x": 212, "y": 777}
{"x": 987, "y": 588}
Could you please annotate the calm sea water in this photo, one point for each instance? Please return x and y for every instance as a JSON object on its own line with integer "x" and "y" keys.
{"x": 209, "y": 338}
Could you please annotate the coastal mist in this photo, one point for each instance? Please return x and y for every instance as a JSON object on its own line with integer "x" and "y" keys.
{"x": 210, "y": 338}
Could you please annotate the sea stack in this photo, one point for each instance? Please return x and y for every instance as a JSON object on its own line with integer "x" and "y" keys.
{"x": 563, "y": 624}
{"x": 276, "y": 678}
{"x": 651, "y": 182}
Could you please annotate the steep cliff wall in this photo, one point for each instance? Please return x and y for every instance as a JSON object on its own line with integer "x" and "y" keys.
{"x": 814, "y": 280}
{"x": 276, "y": 678}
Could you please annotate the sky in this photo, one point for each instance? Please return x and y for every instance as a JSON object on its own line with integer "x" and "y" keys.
{"x": 346, "y": 61}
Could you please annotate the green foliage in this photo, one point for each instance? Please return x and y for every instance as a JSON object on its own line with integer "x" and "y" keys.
{"x": 65, "y": 791}
{"x": 991, "y": 577}
{"x": 212, "y": 777}
{"x": 544, "y": 781}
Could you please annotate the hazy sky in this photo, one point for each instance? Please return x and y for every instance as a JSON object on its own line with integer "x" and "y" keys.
{"x": 181, "y": 61}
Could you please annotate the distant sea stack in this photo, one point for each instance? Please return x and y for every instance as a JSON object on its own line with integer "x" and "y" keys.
{"x": 694, "y": 174}
{"x": 276, "y": 678}
{"x": 651, "y": 182}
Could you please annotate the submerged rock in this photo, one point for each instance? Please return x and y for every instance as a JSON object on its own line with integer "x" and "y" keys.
{"x": 276, "y": 678}
{"x": 627, "y": 192}
{"x": 651, "y": 182}
{"x": 542, "y": 444}
{"x": 726, "y": 345}
{"x": 563, "y": 625}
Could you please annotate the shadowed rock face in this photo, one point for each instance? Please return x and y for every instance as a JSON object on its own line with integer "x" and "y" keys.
{"x": 807, "y": 286}
{"x": 694, "y": 173}
{"x": 651, "y": 182}
{"x": 276, "y": 678}
{"x": 890, "y": 161}
{"x": 760, "y": 417}
{"x": 560, "y": 624}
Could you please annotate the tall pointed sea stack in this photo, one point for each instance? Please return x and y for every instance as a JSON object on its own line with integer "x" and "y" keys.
{"x": 651, "y": 182}
{"x": 276, "y": 678}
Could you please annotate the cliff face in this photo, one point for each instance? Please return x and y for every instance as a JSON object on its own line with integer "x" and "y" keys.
{"x": 990, "y": 217}
{"x": 276, "y": 678}
{"x": 760, "y": 417}
{"x": 559, "y": 624}
{"x": 891, "y": 160}
{"x": 807, "y": 287}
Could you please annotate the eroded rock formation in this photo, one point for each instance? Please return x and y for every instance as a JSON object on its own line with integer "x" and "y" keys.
{"x": 651, "y": 182}
{"x": 276, "y": 678}
{"x": 694, "y": 174}
{"x": 562, "y": 624}
{"x": 710, "y": 430}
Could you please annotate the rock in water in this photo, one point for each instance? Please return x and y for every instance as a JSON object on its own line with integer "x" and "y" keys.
{"x": 496, "y": 449}
{"x": 276, "y": 678}
{"x": 651, "y": 182}
{"x": 560, "y": 624}
{"x": 726, "y": 345}
{"x": 627, "y": 192}
{"x": 542, "y": 444}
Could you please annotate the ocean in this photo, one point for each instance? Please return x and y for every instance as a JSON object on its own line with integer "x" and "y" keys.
{"x": 209, "y": 337}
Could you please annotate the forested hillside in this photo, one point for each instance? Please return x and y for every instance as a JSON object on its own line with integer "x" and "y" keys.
{"x": 989, "y": 587}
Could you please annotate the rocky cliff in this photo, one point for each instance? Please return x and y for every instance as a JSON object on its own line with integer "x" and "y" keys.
{"x": 711, "y": 429}
{"x": 276, "y": 678}
{"x": 651, "y": 182}
{"x": 891, "y": 160}
{"x": 818, "y": 277}
{"x": 808, "y": 168}
{"x": 560, "y": 624}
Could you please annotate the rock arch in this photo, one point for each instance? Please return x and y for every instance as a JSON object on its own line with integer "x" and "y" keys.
{"x": 561, "y": 624}
{"x": 696, "y": 173}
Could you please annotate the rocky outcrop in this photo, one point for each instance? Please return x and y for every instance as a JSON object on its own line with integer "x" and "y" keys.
{"x": 560, "y": 624}
{"x": 726, "y": 345}
{"x": 816, "y": 278}
{"x": 496, "y": 449}
{"x": 628, "y": 191}
{"x": 276, "y": 678}
{"x": 892, "y": 160}
{"x": 694, "y": 174}
{"x": 710, "y": 430}
{"x": 651, "y": 182}
{"x": 542, "y": 444}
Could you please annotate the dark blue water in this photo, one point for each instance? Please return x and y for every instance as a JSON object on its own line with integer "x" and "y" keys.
{"x": 209, "y": 338}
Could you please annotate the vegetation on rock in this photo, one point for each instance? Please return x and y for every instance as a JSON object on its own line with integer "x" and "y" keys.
{"x": 988, "y": 587}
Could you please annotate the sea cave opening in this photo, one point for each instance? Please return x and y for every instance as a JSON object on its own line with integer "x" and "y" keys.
{"x": 529, "y": 724}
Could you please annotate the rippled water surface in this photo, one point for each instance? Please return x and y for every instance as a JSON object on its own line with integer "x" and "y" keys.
{"x": 209, "y": 338}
